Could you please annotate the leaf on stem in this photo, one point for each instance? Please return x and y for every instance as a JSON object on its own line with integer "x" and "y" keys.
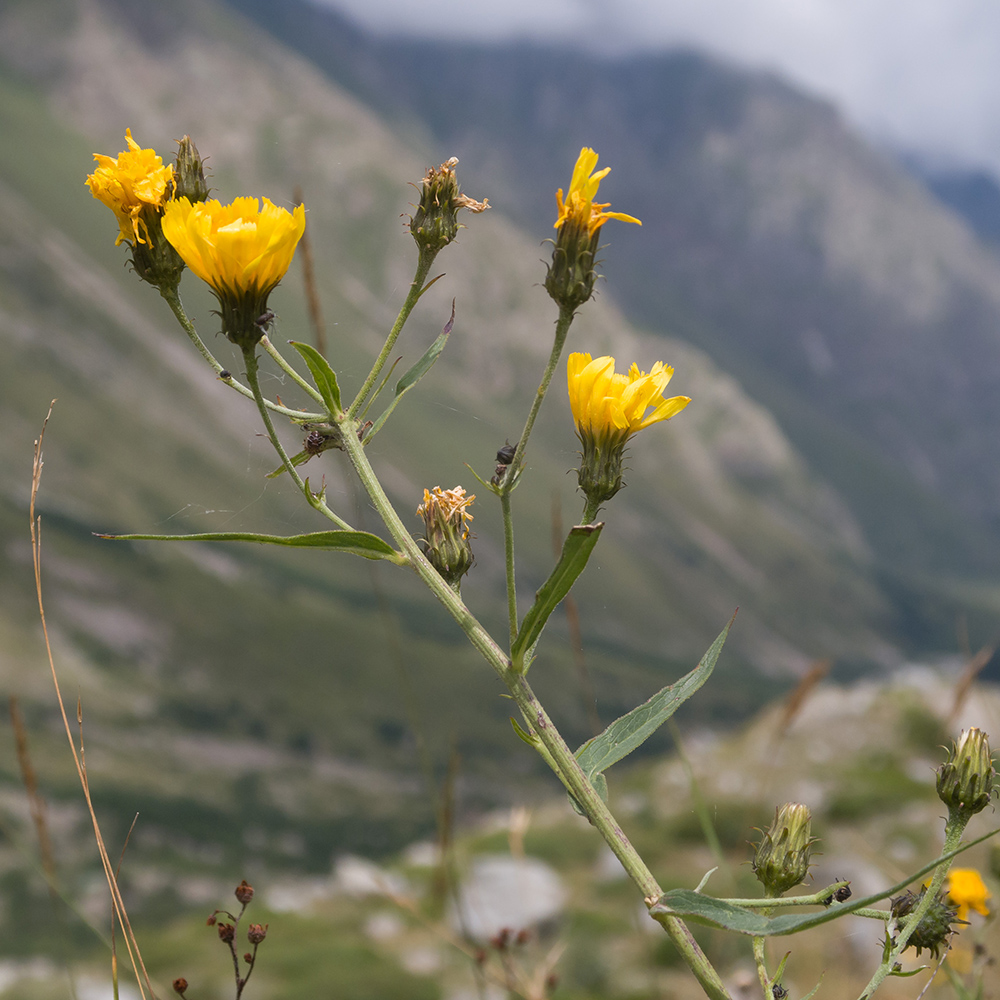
{"x": 576, "y": 551}
{"x": 415, "y": 374}
{"x": 323, "y": 375}
{"x": 360, "y": 543}
{"x": 632, "y": 730}
{"x": 690, "y": 905}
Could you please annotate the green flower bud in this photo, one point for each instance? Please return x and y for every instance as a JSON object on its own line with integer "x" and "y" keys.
{"x": 446, "y": 538}
{"x": 782, "y": 858}
{"x": 965, "y": 779}
{"x": 435, "y": 223}
{"x": 189, "y": 172}
{"x": 934, "y": 929}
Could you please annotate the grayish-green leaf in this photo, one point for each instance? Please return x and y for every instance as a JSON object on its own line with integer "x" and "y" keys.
{"x": 575, "y": 553}
{"x": 690, "y": 905}
{"x": 630, "y": 731}
{"x": 359, "y": 543}
{"x": 411, "y": 377}
{"x": 323, "y": 375}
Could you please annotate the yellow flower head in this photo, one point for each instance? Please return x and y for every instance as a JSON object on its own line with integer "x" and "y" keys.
{"x": 608, "y": 405}
{"x": 137, "y": 178}
{"x": 967, "y": 892}
{"x": 578, "y": 206}
{"x": 242, "y": 250}
{"x": 237, "y": 248}
{"x": 608, "y": 408}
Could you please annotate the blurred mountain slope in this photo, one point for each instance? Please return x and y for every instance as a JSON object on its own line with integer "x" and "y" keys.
{"x": 294, "y": 672}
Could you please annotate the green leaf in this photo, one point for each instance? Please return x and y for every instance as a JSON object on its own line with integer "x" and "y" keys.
{"x": 300, "y": 459}
{"x": 323, "y": 375}
{"x": 630, "y": 731}
{"x": 360, "y": 543}
{"x": 575, "y": 553}
{"x": 690, "y": 905}
{"x": 415, "y": 374}
{"x": 528, "y": 738}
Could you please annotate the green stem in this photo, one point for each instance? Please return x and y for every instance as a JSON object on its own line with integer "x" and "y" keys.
{"x": 953, "y": 831}
{"x": 760, "y": 960}
{"x": 562, "y": 329}
{"x": 590, "y": 512}
{"x": 553, "y": 747}
{"x": 173, "y": 300}
{"x": 424, "y": 261}
{"x": 316, "y": 502}
{"x": 508, "y": 548}
{"x": 818, "y": 898}
{"x": 291, "y": 372}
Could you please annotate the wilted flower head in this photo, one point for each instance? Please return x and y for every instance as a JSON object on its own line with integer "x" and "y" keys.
{"x": 136, "y": 179}
{"x": 136, "y": 185}
{"x": 446, "y": 532}
{"x": 571, "y": 275}
{"x": 967, "y": 891}
{"x": 782, "y": 858}
{"x": 435, "y": 222}
{"x": 242, "y": 250}
{"x": 934, "y": 929}
{"x": 608, "y": 408}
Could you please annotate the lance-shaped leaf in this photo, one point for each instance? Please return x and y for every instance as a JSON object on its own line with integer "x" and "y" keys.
{"x": 359, "y": 543}
{"x": 575, "y": 553}
{"x": 690, "y": 905}
{"x": 633, "y": 729}
{"x": 415, "y": 374}
{"x": 323, "y": 375}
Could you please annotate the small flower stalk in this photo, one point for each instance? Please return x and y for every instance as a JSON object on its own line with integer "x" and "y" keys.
{"x": 242, "y": 250}
{"x": 572, "y": 273}
{"x": 965, "y": 780}
{"x": 136, "y": 185}
{"x": 435, "y": 222}
{"x": 608, "y": 408}
{"x": 446, "y": 532}
{"x": 782, "y": 858}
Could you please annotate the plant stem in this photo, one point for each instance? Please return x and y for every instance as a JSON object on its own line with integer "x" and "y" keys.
{"x": 424, "y": 261}
{"x": 562, "y": 329}
{"x": 316, "y": 502}
{"x": 173, "y": 300}
{"x": 953, "y": 831}
{"x": 508, "y": 549}
{"x": 590, "y": 510}
{"x": 556, "y": 752}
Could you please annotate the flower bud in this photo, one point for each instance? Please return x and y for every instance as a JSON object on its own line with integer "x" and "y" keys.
{"x": 934, "y": 929}
{"x": 965, "y": 779}
{"x": 180, "y": 985}
{"x": 446, "y": 532}
{"x": 226, "y": 932}
{"x": 782, "y": 858}
{"x": 189, "y": 172}
{"x": 257, "y": 933}
{"x": 435, "y": 222}
{"x": 244, "y": 892}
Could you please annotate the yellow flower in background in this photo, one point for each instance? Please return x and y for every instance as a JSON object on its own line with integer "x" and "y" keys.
{"x": 136, "y": 179}
{"x": 578, "y": 206}
{"x": 242, "y": 250}
{"x": 967, "y": 891}
{"x": 608, "y": 408}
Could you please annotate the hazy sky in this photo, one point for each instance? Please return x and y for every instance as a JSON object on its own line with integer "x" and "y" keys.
{"x": 920, "y": 73}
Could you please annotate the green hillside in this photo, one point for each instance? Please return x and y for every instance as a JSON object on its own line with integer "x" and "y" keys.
{"x": 271, "y": 709}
